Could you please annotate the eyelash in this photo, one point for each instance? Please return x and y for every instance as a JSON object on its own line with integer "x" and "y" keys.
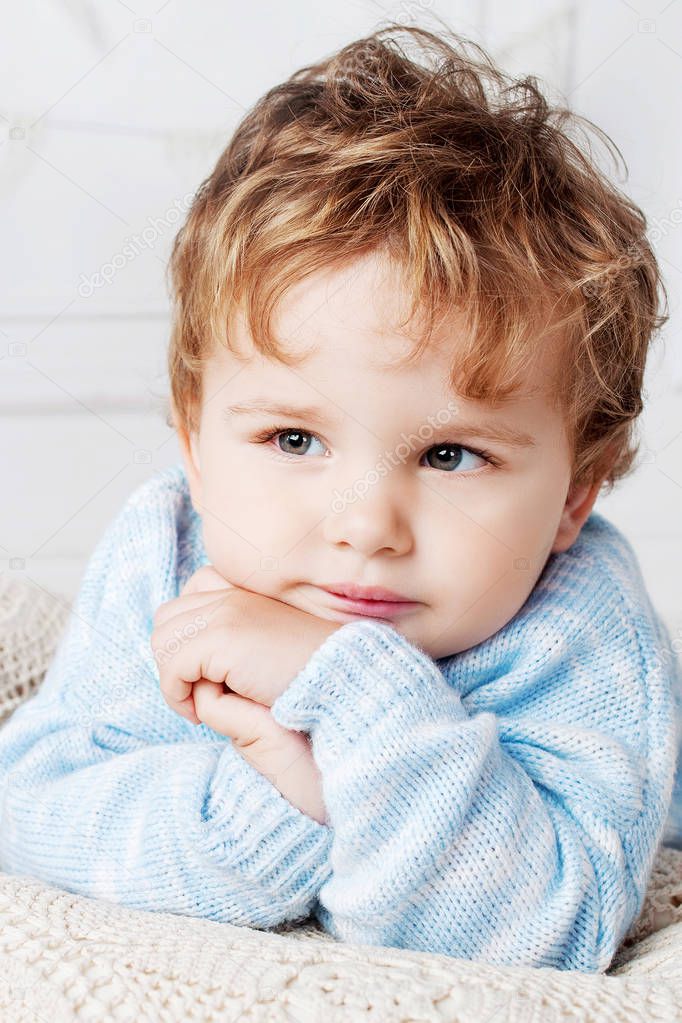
{"x": 269, "y": 434}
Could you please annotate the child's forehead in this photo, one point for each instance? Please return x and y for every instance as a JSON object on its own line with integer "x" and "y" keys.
{"x": 332, "y": 380}
{"x": 337, "y": 343}
{"x": 369, "y": 293}
{"x": 367, "y": 302}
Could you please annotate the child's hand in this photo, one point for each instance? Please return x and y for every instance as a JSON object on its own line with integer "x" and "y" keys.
{"x": 180, "y": 697}
{"x": 196, "y": 688}
{"x": 254, "y": 644}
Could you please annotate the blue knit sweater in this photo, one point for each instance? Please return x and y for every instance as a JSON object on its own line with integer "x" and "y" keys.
{"x": 503, "y": 804}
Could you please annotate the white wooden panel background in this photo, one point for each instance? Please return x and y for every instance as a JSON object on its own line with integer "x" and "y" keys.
{"x": 110, "y": 116}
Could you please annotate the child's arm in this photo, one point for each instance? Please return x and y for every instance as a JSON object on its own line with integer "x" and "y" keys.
{"x": 509, "y": 808}
{"x": 106, "y": 792}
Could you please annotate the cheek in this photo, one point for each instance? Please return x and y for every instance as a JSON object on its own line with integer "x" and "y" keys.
{"x": 516, "y": 516}
{"x": 486, "y": 563}
{"x": 537, "y": 514}
{"x": 246, "y": 532}
{"x": 478, "y": 600}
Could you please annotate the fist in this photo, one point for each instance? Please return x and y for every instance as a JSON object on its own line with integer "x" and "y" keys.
{"x": 198, "y": 688}
{"x": 252, "y": 644}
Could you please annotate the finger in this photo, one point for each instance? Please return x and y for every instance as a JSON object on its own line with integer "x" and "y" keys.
{"x": 181, "y": 700}
{"x": 230, "y": 714}
{"x": 181, "y": 605}
{"x": 201, "y": 656}
{"x": 166, "y": 642}
{"x": 186, "y": 709}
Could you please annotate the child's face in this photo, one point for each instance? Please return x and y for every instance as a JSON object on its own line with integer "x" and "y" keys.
{"x": 373, "y": 495}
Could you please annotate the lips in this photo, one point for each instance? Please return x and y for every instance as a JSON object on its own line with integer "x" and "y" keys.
{"x": 355, "y": 592}
{"x": 371, "y": 608}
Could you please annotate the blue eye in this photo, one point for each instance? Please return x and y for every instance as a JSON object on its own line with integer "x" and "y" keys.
{"x": 300, "y": 441}
{"x": 450, "y": 456}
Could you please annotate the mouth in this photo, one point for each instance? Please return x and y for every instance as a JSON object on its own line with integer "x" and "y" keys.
{"x": 372, "y": 608}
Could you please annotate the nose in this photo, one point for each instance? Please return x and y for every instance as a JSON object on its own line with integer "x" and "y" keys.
{"x": 371, "y": 522}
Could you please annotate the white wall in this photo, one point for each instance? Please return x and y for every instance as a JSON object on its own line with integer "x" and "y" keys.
{"x": 111, "y": 115}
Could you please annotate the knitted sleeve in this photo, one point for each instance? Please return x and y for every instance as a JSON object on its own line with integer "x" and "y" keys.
{"x": 106, "y": 792}
{"x": 504, "y": 804}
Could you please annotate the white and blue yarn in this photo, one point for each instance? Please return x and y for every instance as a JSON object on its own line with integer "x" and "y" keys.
{"x": 504, "y": 804}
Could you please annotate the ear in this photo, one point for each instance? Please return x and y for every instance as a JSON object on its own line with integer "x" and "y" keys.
{"x": 578, "y": 506}
{"x": 189, "y": 448}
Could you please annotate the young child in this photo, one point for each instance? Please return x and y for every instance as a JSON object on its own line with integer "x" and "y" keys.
{"x": 411, "y": 274}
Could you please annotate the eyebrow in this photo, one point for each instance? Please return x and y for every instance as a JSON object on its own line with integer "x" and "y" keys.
{"x": 500, "y": 433}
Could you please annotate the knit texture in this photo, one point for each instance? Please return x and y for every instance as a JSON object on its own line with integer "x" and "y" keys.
{"x": 65, "y": 957}
{"x": 503, "y": 805}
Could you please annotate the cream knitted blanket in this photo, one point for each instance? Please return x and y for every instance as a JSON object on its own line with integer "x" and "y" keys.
{"x": 65, "y": 957}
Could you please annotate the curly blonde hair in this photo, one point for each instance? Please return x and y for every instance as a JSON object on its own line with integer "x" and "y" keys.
{"x": 468, "y": 179}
